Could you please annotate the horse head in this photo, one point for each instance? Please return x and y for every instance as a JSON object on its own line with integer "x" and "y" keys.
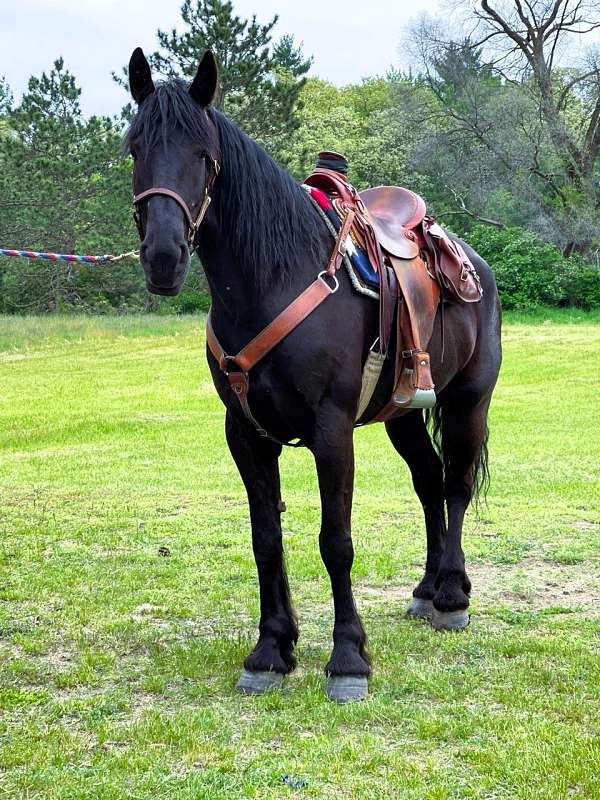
{"x": 174, "y": 144}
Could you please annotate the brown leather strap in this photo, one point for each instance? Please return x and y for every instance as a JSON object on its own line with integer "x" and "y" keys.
{"x": 291, "y": 316}
{"x": 341, "y": 243}
{"x": 388, "y": 296}
{"x": 214, "y": 345}
{"x": 240, "y": 383}
{"x": 192, "y": 223}
{"x": 160, "y": 190}
{"x": 283, "y": 324}
{"x": 390, "y": 407}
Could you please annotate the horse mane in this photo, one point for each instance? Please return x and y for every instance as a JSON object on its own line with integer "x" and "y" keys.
{"x": 269, "y": 221}
{"x": 171, "y": 107}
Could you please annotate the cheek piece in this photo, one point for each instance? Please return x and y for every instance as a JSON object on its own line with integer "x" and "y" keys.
{"x": 193, "y": 222}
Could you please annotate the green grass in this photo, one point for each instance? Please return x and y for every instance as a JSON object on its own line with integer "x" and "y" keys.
{"x": 117, "y": 664}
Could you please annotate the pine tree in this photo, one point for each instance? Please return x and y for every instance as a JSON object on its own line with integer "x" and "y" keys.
{"x": 5, "y": 95}
{"x": 64, "y": 187}
{"x": 260, "y": 81}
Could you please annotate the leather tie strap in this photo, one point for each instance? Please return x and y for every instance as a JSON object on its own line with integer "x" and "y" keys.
{"x": 283, "y": 324}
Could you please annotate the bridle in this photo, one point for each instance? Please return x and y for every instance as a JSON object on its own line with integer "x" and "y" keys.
{"x": 193, "y": 223}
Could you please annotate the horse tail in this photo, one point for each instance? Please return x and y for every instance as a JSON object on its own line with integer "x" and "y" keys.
{"x": 480, "y": 469}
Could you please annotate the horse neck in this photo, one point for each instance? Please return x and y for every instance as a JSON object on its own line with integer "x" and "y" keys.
{"x": 248, "y": 281}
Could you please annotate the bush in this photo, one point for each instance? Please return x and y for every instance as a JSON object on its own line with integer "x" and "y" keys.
{"x": 530, "y": 272}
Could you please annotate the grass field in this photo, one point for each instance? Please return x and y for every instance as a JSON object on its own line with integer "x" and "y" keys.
{"x": 117, "y": 663}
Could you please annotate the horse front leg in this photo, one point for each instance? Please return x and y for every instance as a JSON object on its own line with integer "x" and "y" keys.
{"x": 257, "y": 460}
{"x": 348, "y": 667}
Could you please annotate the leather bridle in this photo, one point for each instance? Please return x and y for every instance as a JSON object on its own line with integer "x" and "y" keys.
{"x": 193, "y": 222}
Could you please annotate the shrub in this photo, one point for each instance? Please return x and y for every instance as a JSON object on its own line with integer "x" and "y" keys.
{"x": 530, "y": 272}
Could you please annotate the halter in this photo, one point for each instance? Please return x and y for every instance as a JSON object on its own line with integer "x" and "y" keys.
{"x": 193, "y": 223}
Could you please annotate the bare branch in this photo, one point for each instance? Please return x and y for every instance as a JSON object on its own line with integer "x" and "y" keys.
{"x": 464, "y": 210}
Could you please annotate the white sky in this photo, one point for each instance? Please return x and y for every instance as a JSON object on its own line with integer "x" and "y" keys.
{"x": 349, "y": 40}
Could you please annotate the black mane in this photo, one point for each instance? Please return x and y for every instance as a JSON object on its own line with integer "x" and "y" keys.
{"x": 266, "y": 216}
{"x": 170, "y": 107}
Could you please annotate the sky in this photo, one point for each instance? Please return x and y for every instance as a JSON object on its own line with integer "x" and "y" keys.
{"x": 349, "y": 40}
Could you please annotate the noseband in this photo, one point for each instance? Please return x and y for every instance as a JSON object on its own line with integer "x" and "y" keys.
{"x": 193, "y": 223}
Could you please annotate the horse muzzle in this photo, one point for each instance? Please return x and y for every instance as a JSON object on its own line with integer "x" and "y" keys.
{"x": 165, "y": 267}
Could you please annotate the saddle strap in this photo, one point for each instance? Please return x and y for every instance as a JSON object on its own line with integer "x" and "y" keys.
{"x": 414, "y": 327}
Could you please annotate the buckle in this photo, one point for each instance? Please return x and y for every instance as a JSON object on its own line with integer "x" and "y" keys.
{"x": 333, "y": 278}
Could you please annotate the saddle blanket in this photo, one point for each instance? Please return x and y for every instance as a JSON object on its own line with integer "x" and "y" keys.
{"x": 363, "y": 269}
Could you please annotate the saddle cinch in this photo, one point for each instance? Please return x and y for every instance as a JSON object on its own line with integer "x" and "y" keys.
{"x": 419, "y": 266}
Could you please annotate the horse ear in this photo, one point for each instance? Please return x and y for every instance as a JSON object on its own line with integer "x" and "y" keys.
{"x": 204, "y": 86}
{"x": 140, "y": 77}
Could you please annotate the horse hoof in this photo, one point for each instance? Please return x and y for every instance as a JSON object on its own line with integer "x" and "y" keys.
{"x": 450, "y": 620}
{"x": 258, "y": 682}
{"x": 420, "y": 609}
{"x": 346, "y": 688}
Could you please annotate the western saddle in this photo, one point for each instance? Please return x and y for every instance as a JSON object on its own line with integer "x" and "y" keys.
{"x": 418, "y": 266}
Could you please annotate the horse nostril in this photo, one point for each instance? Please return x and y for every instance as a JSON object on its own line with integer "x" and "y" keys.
{"x": 184, "y": 253}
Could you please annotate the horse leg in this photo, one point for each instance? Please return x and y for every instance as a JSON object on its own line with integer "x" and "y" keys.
{"x": 348, "y": 667}
{"x": 257, "y": 461}
{"x": 411, "y": 439}
{"x": 464, "y": 436}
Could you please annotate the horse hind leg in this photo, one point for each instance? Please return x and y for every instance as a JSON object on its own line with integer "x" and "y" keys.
{"x": 464, "y": 447}
{"x": 411, "y": 440}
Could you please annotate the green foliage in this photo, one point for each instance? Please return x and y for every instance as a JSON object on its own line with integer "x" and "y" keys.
{"x": 65, "y": 188}
{"x": 5, "y": 95}
{"x": 360, "y": 121}
{"x": 530, "y": 272}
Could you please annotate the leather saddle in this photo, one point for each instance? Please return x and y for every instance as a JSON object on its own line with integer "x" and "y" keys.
{"x": 418, "y": 265}
{"x": 394, "y": 213}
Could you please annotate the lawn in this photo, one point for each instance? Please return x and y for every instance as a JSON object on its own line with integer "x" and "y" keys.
{"x": 128, "y": 594}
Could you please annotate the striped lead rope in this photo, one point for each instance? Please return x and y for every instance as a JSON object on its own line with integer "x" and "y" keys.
{"x": 70, "y": 257}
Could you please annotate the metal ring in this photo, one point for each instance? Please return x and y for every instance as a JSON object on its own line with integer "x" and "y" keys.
{"x": 333, "y": 277}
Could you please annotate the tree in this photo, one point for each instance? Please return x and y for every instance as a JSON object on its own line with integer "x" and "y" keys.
{"x": 362, "y": 122}
{"x": 64, "y": 187}
{"x": 260, "y": 81}
{"x": 554, "y": 107}
{"x": 5, "y": 96}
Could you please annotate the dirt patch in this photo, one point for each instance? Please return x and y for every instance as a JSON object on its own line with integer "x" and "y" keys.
{"x": 586, "y": 526}
{"x": 529, "y": 585}
{"x": 536, "y": 584}
{"x": 57, "y": 658}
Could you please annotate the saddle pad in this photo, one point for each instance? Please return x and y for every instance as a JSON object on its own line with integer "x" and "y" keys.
{"x": 363, "y": 269}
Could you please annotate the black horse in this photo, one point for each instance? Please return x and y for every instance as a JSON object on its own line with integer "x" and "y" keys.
{"x": 263, "y": 242}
